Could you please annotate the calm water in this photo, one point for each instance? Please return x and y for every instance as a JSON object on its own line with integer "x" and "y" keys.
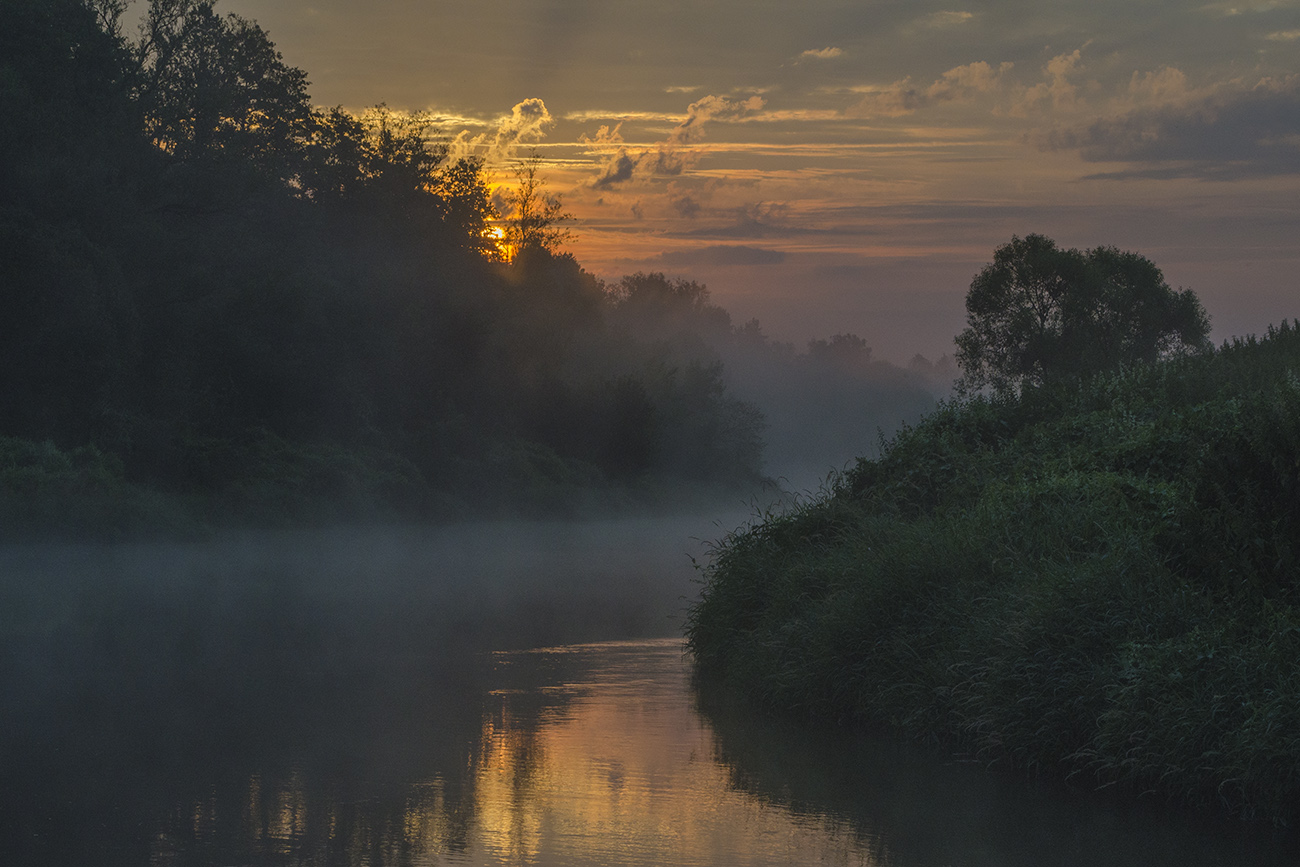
{"x": 486, "y": 695}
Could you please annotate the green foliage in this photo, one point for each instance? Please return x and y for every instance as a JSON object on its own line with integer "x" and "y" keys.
{"x": 269, "y": 481}
{"x": 1097, "y": 582}
{"x": 1038, "y": 313}
{"x": 47, "y": 491}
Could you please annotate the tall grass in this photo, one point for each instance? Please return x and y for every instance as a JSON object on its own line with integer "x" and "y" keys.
{"x": 1099, "y": 583}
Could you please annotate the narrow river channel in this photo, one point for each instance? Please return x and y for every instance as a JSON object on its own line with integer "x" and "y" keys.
{"x": 484, "y": 695}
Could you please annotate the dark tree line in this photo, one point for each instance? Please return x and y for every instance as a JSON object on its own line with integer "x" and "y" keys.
{"x": 228, "y": 293}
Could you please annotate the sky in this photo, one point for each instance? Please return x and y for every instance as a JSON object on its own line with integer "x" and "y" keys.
{"x": 835, "y": 166}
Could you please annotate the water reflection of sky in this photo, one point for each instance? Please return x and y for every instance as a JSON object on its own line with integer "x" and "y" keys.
{"x": 624, "y": 773}
{"x": 333, "y": 699}
{"x": 604, "y": 754}
{"x": 592, "y": 754}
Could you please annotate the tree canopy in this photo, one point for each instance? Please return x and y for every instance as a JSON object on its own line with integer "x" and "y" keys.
{"x": 212, "y": 289}
{"x": 1038, "y": 313}
{"x": 535, "y": 218}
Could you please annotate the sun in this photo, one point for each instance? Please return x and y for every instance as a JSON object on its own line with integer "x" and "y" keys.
{"x": 497, "y": 247}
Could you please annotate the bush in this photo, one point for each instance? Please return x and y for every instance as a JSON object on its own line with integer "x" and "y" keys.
{"x": 1095, "y": 582}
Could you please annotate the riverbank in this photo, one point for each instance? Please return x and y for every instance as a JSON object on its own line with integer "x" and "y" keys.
{"x": 85, "y": 494}
{"x": 1100, "y": 584}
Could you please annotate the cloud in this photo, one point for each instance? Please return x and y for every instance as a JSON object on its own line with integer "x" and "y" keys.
{"x": 959, "y": 84}
{"x": 686, "y": 207}
{"x": 891, "y": 100}
{"x": 1284, "y": 36}
{"x": 610, "y": 114}
{"x": 1057, "y": 92}
{"x": 720, "y": 254}
{"x": 1165, "y": 86}
{"x": 964, "y": 82}
{"x": 604, "y": 136}
{"x": 1233, "y": 133}
{"x": 671, "y": 156}
{"x": 712, "y": 108}
{"x": 526, "y": 124}
{"x": 821, "y": 53}
{"x": 616, "y": 171}
{"x": 1242, "y": 7}
{"x": 946, "y": 19}
{"x": 755, "y": 220}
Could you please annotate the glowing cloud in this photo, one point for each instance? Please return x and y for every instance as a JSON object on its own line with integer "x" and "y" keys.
{"x": 670, "y": 156}
{"x": 526, "y": 124}
{"x": 959, "y": 84}
{"x": 964, "y": 82}
{"x": 1057, "y": 92}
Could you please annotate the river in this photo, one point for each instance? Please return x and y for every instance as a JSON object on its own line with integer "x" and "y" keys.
{"x": 480, "y": 695}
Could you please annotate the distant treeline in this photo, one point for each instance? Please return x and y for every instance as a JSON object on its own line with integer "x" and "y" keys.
{"x": 216, "y": 299}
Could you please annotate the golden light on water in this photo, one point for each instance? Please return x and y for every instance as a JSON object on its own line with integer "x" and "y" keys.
{"x": 608, "y": 764}
{"x": 623, "y": 772}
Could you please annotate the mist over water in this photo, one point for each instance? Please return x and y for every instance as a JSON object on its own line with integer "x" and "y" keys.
{"x": 137, "y": 677}
{"x": 499, "y": 693}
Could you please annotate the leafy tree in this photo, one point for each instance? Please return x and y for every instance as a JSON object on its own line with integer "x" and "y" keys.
{"x": 215, "y": 87}
{"x": 1040, "y": 313}
{"x": 398, "y": 158}
{"x": 655, "y": 307}
{"x": 389, "y": 160}
{"x": 334, "y": 165}
{"x": 66, "y": 154}
{"x": 844, "y": 352}
{"x": 535, "y": 217}
{"x": 464, "y": 202}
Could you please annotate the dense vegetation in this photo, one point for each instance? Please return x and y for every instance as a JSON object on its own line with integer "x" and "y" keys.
{"x": 218, "y": 302}
{"x": 1096, "y": 580}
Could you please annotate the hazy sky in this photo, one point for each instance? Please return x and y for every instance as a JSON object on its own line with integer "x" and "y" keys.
{"x": 848, "y": 165}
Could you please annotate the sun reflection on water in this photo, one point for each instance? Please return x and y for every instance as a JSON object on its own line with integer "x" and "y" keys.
{"x": 585, "y": 755}
{"x": 622, "y": 772}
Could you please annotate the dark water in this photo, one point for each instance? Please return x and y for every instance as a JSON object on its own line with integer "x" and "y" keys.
{"x": 484, "y": 695}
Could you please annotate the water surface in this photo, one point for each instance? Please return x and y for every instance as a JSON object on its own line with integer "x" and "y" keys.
{"x": 478, "y": 695}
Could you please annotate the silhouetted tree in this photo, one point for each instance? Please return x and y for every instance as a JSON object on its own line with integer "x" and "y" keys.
{"x": 656, "y": 307}
{"x": 843, "y": 352}
{"x": 465, "y": 203}
{"x": 214, "y": 87}
{"x": 1039, "y": 313}
{"x": 228, "y": 292}
{"x": 399, "y": 159}
{"x": 335, "y": 163}
{"x": 536, "y": 217}
{"x": 66, "y": 151}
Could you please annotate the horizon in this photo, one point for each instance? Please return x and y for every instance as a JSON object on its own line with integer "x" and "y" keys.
{"x": 828, "y": 169}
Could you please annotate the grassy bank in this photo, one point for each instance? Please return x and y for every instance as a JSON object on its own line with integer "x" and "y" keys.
{"x": 1101, "y": 583}
{"x": 264, "y": 481}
